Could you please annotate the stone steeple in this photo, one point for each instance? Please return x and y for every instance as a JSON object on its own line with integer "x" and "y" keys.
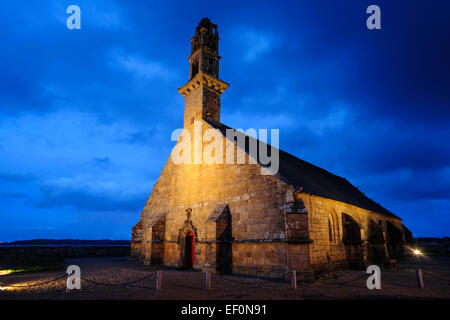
{"x": 203, "y": 89}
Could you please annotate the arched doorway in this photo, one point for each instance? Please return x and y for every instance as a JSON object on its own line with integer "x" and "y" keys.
{"x": 376, "y": 244}
{"x": 395, "y": 241}
{"x": 352, "y": 242}
{"x": 189, "y": 247}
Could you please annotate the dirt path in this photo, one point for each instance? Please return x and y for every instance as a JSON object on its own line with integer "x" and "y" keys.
{"x": 399, "y": 283}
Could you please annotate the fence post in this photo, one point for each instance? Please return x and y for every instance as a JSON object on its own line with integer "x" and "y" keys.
{"x": 208, "y": 280}
{"x": 419, "y": 274}
{"x": 293, "y": 279}
{"x": 159, "y": 280}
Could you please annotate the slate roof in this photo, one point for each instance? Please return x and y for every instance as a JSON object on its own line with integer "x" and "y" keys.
{"x": 315, "y": 180}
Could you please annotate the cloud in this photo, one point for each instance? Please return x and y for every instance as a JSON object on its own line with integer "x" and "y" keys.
{"x": 69, "y": 139}
{"x": 102, "y": 162}
{"x": 17, "y": 178}
{"x": 82, "y": 200}
{"x": 409, "y": 185}
{"x": 88, "y": 165}
{"x": 106, "y": 14}
{"x": 6, "y": 195}
{"x": 381, "y": 151}
{"x": 118, "y": 191}
{"x": 260, "y": 121}
{"x": 145, "y": 69}
{"x": 86, "y": 117}
{"x": 100, "y": 14}
{"x": 254, "y": 43}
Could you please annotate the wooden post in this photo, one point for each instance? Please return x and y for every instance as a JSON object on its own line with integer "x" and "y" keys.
{"x": 208, "y": 280}
{"x": 159, "y": 280}
{"x": 293, "y": 279}
{"x": 419, "y": 275}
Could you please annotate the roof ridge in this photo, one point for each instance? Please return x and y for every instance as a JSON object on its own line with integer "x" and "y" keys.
{"x": 281, "y": 150}
{"x": 314, "y": 179}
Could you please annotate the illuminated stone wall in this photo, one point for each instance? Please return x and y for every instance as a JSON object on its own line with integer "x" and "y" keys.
{"x": 274, "y": 229}
{"x": 256, "y": 203}
{"x": 327, "y": 255}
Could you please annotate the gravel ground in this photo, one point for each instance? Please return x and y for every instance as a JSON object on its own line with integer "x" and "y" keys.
{"x": 398, "y": 283}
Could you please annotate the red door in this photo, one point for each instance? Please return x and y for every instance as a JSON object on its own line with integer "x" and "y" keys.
{"x": 190, "y": 250}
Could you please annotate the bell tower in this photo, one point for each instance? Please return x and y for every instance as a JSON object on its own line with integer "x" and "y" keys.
{"x": 202, "y": 91}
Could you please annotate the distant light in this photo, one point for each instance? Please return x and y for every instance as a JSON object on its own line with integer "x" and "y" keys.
{"x": 417, "y": 252}
{"x": 5, "y": 272}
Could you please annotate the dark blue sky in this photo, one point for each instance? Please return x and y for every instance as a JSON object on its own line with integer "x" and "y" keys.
{"x": 86, "y": 115}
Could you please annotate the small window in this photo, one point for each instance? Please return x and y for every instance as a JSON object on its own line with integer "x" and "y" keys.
{"x": 194, "y": 69}
{"x": 330, "y": 229}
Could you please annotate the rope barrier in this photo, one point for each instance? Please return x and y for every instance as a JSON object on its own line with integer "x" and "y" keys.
{"x": 240, "y": 282}
{"x": 83, "y": 278}
{"x": 118, "y": 284}
{"x": 261, "y": 284}
{"x": 435, "y": 276}
{"x": 34, "y": 285}
{"x": 354, "y": 279}
{"x": 340, "y": 284}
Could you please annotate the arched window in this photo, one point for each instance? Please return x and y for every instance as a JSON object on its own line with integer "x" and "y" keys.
{"x": 332, "y": 227}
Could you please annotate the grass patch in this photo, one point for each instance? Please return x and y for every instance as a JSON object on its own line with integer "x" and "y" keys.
{"x": 17, "y": 267}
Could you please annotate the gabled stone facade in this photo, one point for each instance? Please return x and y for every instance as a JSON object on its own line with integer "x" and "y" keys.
{"x": 231, "y": 218}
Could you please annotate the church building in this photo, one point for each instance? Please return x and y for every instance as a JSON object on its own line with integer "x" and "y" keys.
{"x": 237, "y": 218}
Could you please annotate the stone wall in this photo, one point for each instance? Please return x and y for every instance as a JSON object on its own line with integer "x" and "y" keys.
{"x": 50, "y": 252}
{"x": 136, "y": 241}
{"x": 328, "y": 254}
{"x": 274, "y": 229}
{"x": 267, "y": 259}
{"x": 256, "y": 203}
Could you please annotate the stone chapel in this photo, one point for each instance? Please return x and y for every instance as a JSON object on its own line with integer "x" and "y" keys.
{"x": 230, "y": 218}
